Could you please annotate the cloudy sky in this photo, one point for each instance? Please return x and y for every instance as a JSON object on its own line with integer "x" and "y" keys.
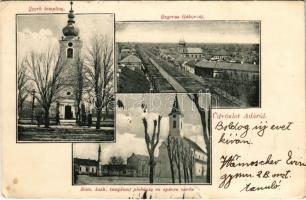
{"x": 36, "y": 32}
{"x": 191, "y": 31}
{"x": 130, "y": 129}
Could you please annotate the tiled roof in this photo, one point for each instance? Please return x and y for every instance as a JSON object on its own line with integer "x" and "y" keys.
{"x": 194, "y": 145}
{"x": 141, "y": 157}
{"x": 86, "y": 162}
{"x": 131, "y": 59}
{"x": 228, "y": 66}
{"x": 192, "y": 63}
{"x": 194, "y": 50}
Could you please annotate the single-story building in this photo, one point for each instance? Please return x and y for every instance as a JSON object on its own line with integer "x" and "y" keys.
{"x": 118, "y": 170}
{"x": 86, "y": 166}
{"x": 242, "y": 71}
{"x": 131, "y": 61}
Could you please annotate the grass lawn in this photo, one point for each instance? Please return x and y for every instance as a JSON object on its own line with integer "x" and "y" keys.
{"x": 28, "y": 133}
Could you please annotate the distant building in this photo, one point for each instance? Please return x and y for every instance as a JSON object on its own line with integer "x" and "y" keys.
{"x": 125, "y": 52}
{"x": 237, "y": 71}
{"x": 88, "y": 166}
{"x": 132, "y": 62}
{"x": 220, "y": 55}
{"x": 118, "y": 170}
{"x": 190, "y": 52}
{"x": 190, "y": 66}
{"x": 140, "y": 163}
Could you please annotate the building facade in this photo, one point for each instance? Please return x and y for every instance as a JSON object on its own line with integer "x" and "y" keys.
{"x": 70, "y": 52}
{"x": 198, "y": 155}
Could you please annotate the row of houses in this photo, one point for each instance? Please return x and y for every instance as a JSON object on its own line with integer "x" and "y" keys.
{"x": 215, "y": 69}
{"x": 137, "y": 165}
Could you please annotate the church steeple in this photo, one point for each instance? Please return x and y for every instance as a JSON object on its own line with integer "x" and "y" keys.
{"x": 175, "y": 107}
{"x": 70, "y": 29}
{"x": 175, "y": 119}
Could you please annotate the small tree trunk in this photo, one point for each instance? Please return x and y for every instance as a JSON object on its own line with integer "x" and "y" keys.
{"x": 179, "y": 173}
{"x": 46, "y": 118}
{"x": 185, "y": 176}
{"x": 191, "y": 175}
{"x": 172, "y": 171}
{"x": 98, "y": 119}
{"x": 151, "y": 174}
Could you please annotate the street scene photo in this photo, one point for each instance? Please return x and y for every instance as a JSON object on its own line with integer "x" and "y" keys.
{"x": 222, "y": 57}
{"x": 65, "y": 77}
{"x": 160, "y": 139}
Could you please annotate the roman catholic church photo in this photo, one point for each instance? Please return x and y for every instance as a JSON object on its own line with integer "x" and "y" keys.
{"x": 160, "y": 139}
{"x": 65, "y": 77}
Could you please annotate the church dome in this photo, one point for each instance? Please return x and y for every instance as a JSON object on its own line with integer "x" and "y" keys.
{"x": 70, "y": 29}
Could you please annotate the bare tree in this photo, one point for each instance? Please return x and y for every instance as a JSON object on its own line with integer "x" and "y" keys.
{"x": 151, "y": 143}
{"x": 177, "y": 157}
{"x": 206, "y": 129}
{"x": 78, "y": 89}
{"x": 98, "y": 64}
{"x": 170, "y": 150}
{"x": 116, "y": 160}
{"x": 46, "y": 69}
{"x": 22, "y": 84}
{"x": 190, "y": 163}
{"x": 184, "y": 155}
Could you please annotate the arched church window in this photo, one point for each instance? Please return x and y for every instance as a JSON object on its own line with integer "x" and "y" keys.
{"x": 174, "y": 116}
{"x": 174, "y": 124}
{"x": 69, "y": 53}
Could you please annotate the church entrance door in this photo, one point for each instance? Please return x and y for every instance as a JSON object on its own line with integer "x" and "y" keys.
{"x": 68, "y": 112}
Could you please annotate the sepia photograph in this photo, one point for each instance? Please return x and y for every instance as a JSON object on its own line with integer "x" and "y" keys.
{"x": 222, "y": 57}
{"x": 160, "y": 139}
{"x": 65, "y": 77}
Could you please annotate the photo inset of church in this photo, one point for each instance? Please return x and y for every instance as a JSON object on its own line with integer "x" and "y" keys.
{"x": 188, "y": 162}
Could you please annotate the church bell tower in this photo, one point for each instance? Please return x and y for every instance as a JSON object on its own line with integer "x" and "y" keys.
{"x": 175, "y": 119}
{"x": 70, "y": 50}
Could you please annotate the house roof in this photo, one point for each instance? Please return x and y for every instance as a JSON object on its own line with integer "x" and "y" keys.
{"x": 86, "y": 162}
{"x": 125, "y": 50}
{"x": 221, "y": 52}
{"x": 228, "y": 66}
{"x": 194, "y": 145}
{"x": 130, "y": 59}
{"x": 192, "y": 63}
{"x": 141, "y": 157}
{"x": 194, "y": 50}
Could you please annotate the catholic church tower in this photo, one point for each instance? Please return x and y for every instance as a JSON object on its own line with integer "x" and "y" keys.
{"x": 70, "y": 50}
{"x": 99, "y": 167}
{"x": 176, "y": 120}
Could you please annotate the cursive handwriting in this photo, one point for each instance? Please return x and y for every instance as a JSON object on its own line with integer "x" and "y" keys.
{"x": 231, "y": 161}
{"x": 290, "y": 161}
{"x": 272, "y": 186}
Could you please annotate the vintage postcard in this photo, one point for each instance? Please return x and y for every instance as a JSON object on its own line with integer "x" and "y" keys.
{"x": 151, "y": 100}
